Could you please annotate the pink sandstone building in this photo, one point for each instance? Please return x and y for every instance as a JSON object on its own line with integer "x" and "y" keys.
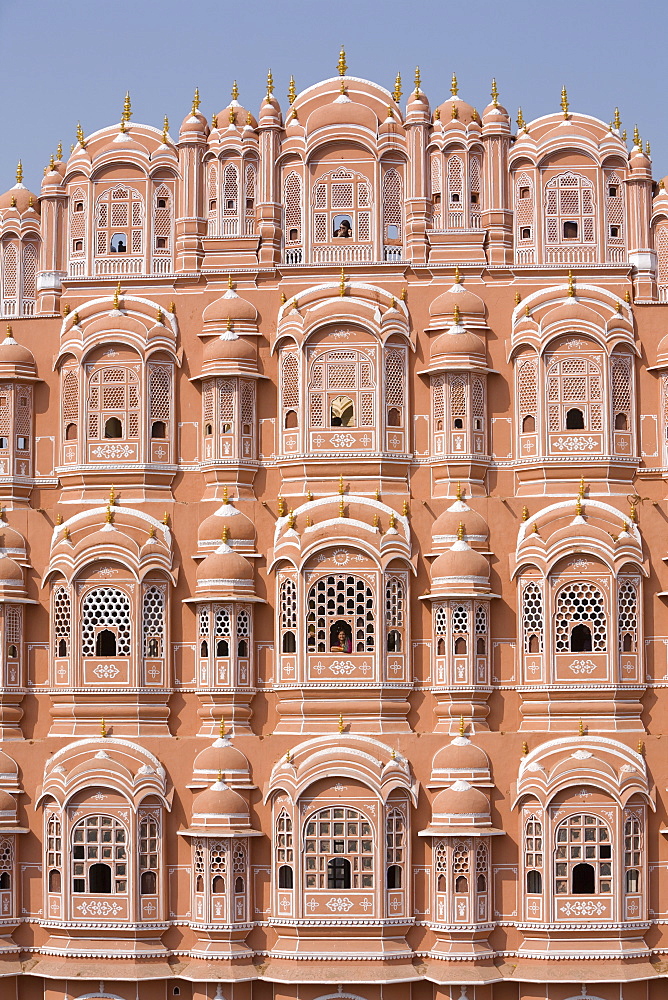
{"x": 333, "y": 626}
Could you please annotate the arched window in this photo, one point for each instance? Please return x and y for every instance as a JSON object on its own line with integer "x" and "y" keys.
{"x": 575, "y": 395}
{"x": 222, "y": 631}
{"x": 533, "y": 855}
{"x": 583, "y": 856}
{"x": 290, "y": 386}
{"x": 392, "y": 211}
{"x": 440, "y": 870}
{"x": 395, "y": 848}
{"x": 9, "y": 273}
{"x": 475, "y": 191}
{"x": 395, "y": 361}
{"x": 342, "y": 390}
{"x": 481, "y": 876}
{"x": 580, "y": 619}
{"x": 342, "y": 602}
{"x": 621, "y": 377}
{"x": 160, "y": 400}
{"x": 292, "y": 212}
{"x": 6, "y": 864}
{"x": 460, "y": 629}
{"x": 153, "y": 620}
{"x": 250, "y": 178}
{"x": 162, "y": 229}
{"x": 288, "y": 615}
{"x": 342, "y": 210}
{"x": 632, "y": 854}
{"x": 395, "y": 609}
{"x": 243, "y": 633}
{"x": 284, "y": 851}
{"x": 198, "y": 866}
{"x": 525, "y": 219}
{"x": 338, "y": 850}
{"x": 527, "y": 395}
{"x": 342, "y": 412}
{"x": 105, "y": 643}
{"x": 614, "y": 219}
{"x": 440, "y": 629}
{"x": 113, "y": 407}
{"x": 569, "y": 209}
{"x": 71, "y": 406}
{"x": 455, "y": 193}
{"x": 436, "y": 186}
{"x": 481, "y": 629}
{"x": 149, "y": 834}
{"x": 96, "y": 837}
{"x": 461, "y": 867}
{"x": 230, "y": 200}
{"x": 54, "y": 852}
{"x": 62, "y": 620}
{"x": 105, "y": 609}
{"x": 217, "y": 867}
{"x": 77, "y": 223}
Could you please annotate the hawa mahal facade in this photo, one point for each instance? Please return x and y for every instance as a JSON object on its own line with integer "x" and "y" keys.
{"x": 333, "y": 629}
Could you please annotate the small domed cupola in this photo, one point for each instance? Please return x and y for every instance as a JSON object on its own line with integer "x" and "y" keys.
{"x": 460, "y": 571}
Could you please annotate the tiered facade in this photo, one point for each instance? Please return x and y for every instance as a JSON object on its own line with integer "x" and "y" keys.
{"x": 333, "y": 629}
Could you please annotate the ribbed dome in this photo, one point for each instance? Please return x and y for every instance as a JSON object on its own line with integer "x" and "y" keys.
{"x": 7, "y": 806}
{"x": 461, "y": 803}
{"x": 460, "y": 759}
{"x": 224, "y": 565}
{"x": 342, "y": 111}
{"x": 220, "y": 805}
{"x": 229, "y": 348}
{"x": 229, "y": 306}
{"x": 240, "y": 527}
{"x": 445, "y": 527}
{"x": 10, "y": 571}
{"x": 14, "y": 354}
{"x": 222, "y": 758}
{"x": 580, "y": 528}
{"x": 468, "y": 302}
{"x": 457, "y": 342}
{"x": 460, "y": 561}
{"x": 465, "y": 113}
{"x": 11, "y": 539}
{"x": 239, "y": 117}
{"x": 23, "y": 199}
{"x": 194, "y": 123}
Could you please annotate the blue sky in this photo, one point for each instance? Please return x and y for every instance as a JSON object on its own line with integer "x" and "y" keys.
{"x": 69, "y": 61}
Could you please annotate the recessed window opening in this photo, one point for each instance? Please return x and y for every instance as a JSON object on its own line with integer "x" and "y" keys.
{"x": 459, "y": 423}
{"x": 222, "y": 648}
{"x": 289, "y": 642}
{"x": 632, "y": 880}
{"x": 581, "y": 640}
{"x": 12, "y": 651}
{"x": 534, "y": 645}
{"x": 480, "y": 647}
{"x": 574, "y": 419}
{"x": 534, "y": 881}
{"x": 615, "y": 232}
{"x": 105, "y": 643}
{"x": 524, "y": 192}
{"x": 474, "y": 197}
{"x": 4, "y": 442}
{"x": 22, "y": 443}
{"x": 62, "y": 647}
{"x": 99, "y": 876}
{"x": 460, "y": 646}
{"x": 113, "y": 428}
{"x": 291, "y": 419}
{"x": 525, "y": 233}
{"x": 392, "y": 232}
{"x": 338, "y": 873}
{"x": 161, "y": 242}
{"x": 529, "y": 424}
{"x": 158, "y": 429}
{"x": 394, "y": 641}
{"x": 212, "y": 204}
{"x": 454, "y": 196}
{"x": 78, "y": 206}
{"x": 394, "y": 877}
{"x": 118, "y": 243}
{"x": 293, "y": 235}
{"x": 204, "y": 648}
{"x": 570, "y": 230}
{"x": 394, "y": 417}
{"x": 612, "y": 191}
{"x": 208, "y": 429}
{"x": 242, "y": 648}
{"x": 218, "y": 885}
{"x": 148, "y": 883}
{"x": 78, "y": 246}
{"x": 71, "y": 432}
{"x": 342, "y": 227}
{"x": 162, "y": 203}
{"x": 239, "y": 885}
{"x": 584, "y": 880}
{"x": 342, "y": 412}
{"x": 285, "y": 877}
{"x": 54, "y": 880}
{"x": 621, "y": 422}
{"x": 461, "y": 884}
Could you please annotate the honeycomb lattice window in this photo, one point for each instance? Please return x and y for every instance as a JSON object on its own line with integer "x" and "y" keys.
{"x": 153, "y": 621}
{"x": 70, "y": 400}
{"x": 339, "y": 195}
{"x": 661, "y": 244}
{"x": 336, "y": 372}
{"x": 440, "y": 859}
{"x": 292, "y": 207}
{"x": 77, "y": 221}
{"x": 440, "y": 621}
{"x": 29, "y": 270}
{"x": 99, "y": 856}
{"x": 460, "y": 620}
{"x": 341, "y": 602}
{"x": 394, "y": 378}
{"x": 204, "y": 619}
{"x": 395, "y": 602}
{"x": 162, "y": 221}
{"x": 481, "y": 866}
{"x": 113, "y": 395}
{"x": 119, "y": 221}
{"x": 461, "y": 867}
{"x": 290, "y": 382}
{"x": 481, "y": 620}
{"x": 627, "y": 615}
{"x": 62, "y": 620}
{"x": 105, "y": 608}
{"x": 333, "y": 836}
{"x": 217, "y": 861}
{"x": 532, "y": 618}
{"x": 10, "y": 272}
{"x": 621, "y": 378}
{"x": 160, "y": 392}
{"x": 222, "y": 624}
{"x": 583, "y": 856}
{"x": 569, "y": 209}
{"x": 198, "y": 865}
{"x": 288, "y": 605}
{"x": 7, "y": 860}
{"x": 580, "y": 603}
{"x": 575, "y": 384}
{"x": 392, "y": 206}
{"x": 527, "y": 393}
{"x": 239, "y": 858}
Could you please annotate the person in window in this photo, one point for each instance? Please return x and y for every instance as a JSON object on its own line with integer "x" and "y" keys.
{"x": 310, "y": 638}
{"x": 342, "y": 643}
{"x": 345, "y": 229}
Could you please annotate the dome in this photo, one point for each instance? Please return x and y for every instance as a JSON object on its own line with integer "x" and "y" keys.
{"x": 10, "y": 572}
{"x": 577, "y": 529}
{"x": 241, "y": 528}
{"x": 469, "y": 304}
{"x": 7, "y": 806}
{"x": 218, "y": 806}
{"x": 446, "y": 526}
{"x": 221, "y": 758}
{"x": 14, "y": 355}
{"x": 456, "y": 345}
{"x": 194, "y": 123}
{"x": 224, "y": 568}
{"x": 231, "y": 348}
{"x": 20, "y": 199}
{"x": 342, "y": 111}
{"x": 460, "y": 561}
{"x": 464, "y": 112}
{"x": 236, "y": 115}
{"x": 229, "y": 306}
{"x": 460, "y": 759}
{"x": 495, "y": 114}
{"x": 11, "y": 540}
{"x": 461, "y": 804}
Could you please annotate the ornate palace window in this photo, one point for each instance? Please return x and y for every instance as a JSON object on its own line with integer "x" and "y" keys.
{"x": 284, "y": 851}
{"x": 99, "y": 856}
{"x": 119, "y": 221}
{"x": 583, "y": 856}
{"x": 105, "y": 623}
{"x": 338, "y": 850}
{"x": 580, "y": 619}
{"x": 532, "y": 618}
{"x": 395, "y": 848}
{"x": 149, "y": 832}
{"x": 341, "y": 610}
{"x": 533, "y": 855}
{"x": 288, "y": 616}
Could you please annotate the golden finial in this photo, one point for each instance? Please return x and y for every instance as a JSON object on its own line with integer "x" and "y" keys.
{"x": 495, "y": 94}
{"x": 525, "y": 513}
{"x": 534, "y": 530}
{"x": 571, "y": 285}
{"x": 648, "y": 149}
{"x": 625, "y": 526}
{"x": 641, "y": 748}
{"x": 281, "y": 507}
{"x": 31, "y": 201}
{"x": 342, "y": 283}
{"x": 172, "y": 307}
{"x": 417, "y": 80}
{"x": 342, "y": 65}
{"x": 342, "y": 507}
{"x": 59, "y": 151}
{"x": 404, "y": 294}
{"x": 624, "y": 136}
{"x": 52, "y": 162}
{"x": 462, "y": 725}
{"x": 165, "y": 518}
{"x": 12, "y": 202}
{"x": 581, "y": 487}
{"x": 627, "y": 297}
{"x": 226, "y": 498}
{"x": 405, "y": 508}
{"x": 230, "y": 283}
{"x": 292, "y": 91}
{"x": 75, "y": 319}
{"x": 475, "y": 116}
{"x": 458, "y": 277}
{"x": 81, "y": 139}
{"x": 458, "y": 491}
{"x": 518, "y": 298}
{"x": 19, "y": 173}
{"x": 309, "y": 495}
{"x": 520, "y": 119}
{"x": 525, "y": 748}
{"x": 527, "y": 310}
{"x": 309, "y": 522}
{"x": 378, "y": 494}
{"x": 151, "y": 533}
{"x": 619, "y": 307}
{"x": 229, "y": 323}
{"x": 454, "y": 112}
{"x": 225, "y": 534}
{"x": 270, "y": 85}
{"x": 397, "y": 92}
{"x": 393, "y": 520}
{"x": 214, "y": 121}
{"x": 165, "y": 128}
{"x": 103, "y": 727}
{"x": 59, "y": 517}
{"x": 122, "y": 127}
{"x": 578, "y": 506}
{"x": 127, "y": 107}
{"x": 460, "y": 532}
{"x": 581, "y": 728}
{"x": 376, "y": 520}
{"x": 288, "y": 757}
{"x": 284, "y": 298}
{"x": 291, "y": 518}
{"x": 454, "y": 86}
{"x": 232, "y": 117}
{"x": 222, "y": 732}
{"x": 393, "y": 755}
{"x": 390, "y": 112}
{"x": 196, "y": 102}
{"x": 66, "y": 533}
{"x": 636, "y": 136}
{"x": 617, "y": 119}
{"x": 235, "y": 91}
{"x": 342, "y": 724}
{"x": 456, "y": 315}
{"x": 9, "y": 330}
{"x": 564, "y": 101}
{"x": 342, "y": 88}
{"x": 117, "y": 295}
{"x": 109, "y": 516}
{"x": 662, "y": 185}
{"x": 159, "y": 315}
{"x": 112, "y": 496}
{"x": 437, "y": 115}
{"x": 632, "y": 511}
{"x": 342, "y": 488}
{"x": 66, "y": 309}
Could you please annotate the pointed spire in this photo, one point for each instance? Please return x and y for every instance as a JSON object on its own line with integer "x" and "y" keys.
{"x": 19, "y": 173}
{"x": 81, "y": 139}
{"x": 235, "y": 91}
{"x": 127, "y": 107}
{"x": 342, "y": 283}
{"x": 270, "y": 85}
{"x": 112, "y": 496}
{"x": 196, "y": 102}
{"x": 456, "y": 315}
{"x": 454, "y": 86}
{"x": 103, "y": 728}
{"x": 636, "y": 137}
{"x": 117, "y": 295}
{"x": 520, "y": 120}
{"x": 417, "y": 80}
{"x": 460, "y": 532}
{"x": 617, "y": 121}
{"x": 292, "y": 91}
{"x": 397, "y": 92}
{"x": 495, "y": 94}
{"x": 458, "y": 277}
{"x": 454, "y": 112}
{"x": 165, "y": 518}
{"x": 342, "y": 65}
{"x": 462, "y": 726}
{"x": 59, "y": 152}
{"x": 564, "y": 101}
{"x": 222, "y": 732}
{"x": 342, "y": 724}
